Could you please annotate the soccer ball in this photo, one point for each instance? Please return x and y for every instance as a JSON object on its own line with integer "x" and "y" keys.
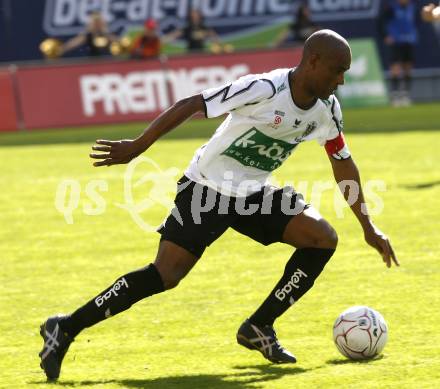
{"x": 360, "y": 333}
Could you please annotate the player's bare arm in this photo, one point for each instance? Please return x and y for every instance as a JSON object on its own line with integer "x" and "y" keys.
{"x": 346, "y": 170}
{"x": 123, "y": 151}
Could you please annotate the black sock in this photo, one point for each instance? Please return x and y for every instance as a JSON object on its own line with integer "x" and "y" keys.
{"x": 120, "y": 296}
{"x": 301, "y": 271}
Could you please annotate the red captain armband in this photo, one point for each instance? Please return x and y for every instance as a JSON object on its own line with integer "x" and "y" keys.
{"x": 337, "y": 148}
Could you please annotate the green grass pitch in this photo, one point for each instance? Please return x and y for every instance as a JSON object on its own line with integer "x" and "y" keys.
{"x": 185, "y": 338}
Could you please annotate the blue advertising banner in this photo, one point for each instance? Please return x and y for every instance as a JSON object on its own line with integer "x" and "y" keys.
{"x": 244, "y": 23}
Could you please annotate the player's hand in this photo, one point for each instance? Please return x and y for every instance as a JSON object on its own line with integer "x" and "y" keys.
{"x": 114, "y": 152}
{"x": 377, "y": 239}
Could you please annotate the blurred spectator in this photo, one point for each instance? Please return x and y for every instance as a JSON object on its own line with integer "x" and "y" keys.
{"x": 431, "y": 13}
{"x": 195, "y": 33}
{"x": 398, "y": 25}
{"x": 147, "y": 44}
{"x": 96, "y": 38}
{"x": 300, "y": 29}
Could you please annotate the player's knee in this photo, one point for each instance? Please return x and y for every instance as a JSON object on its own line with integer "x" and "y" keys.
{"x": 173, "y": 263}
{"x": 333, "y": 238}
{"x": 170, "y": 282}
{"x": 171, "y": 276}
{"x": 330, "y": 239}
{"x": 327, "y": 237}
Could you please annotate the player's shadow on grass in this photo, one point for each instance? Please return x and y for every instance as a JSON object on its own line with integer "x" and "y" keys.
{"x": 423, "y": 185}
{"x": 245, "y": 378}
{"x": 353, "y": 362}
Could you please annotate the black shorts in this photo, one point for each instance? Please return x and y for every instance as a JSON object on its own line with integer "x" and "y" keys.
{"x": 402, "y": 52}
{"x": 202, "y": 215}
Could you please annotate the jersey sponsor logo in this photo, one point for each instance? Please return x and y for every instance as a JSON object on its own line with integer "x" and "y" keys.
{"x": 258, "y": 150}
{"x": 281, "y": 87}
{"x": 283, "y": 292}
{"x": 310, "y": 128}
{"x": 113, "y": 291}
{"x": 277, "y": 120}
{"x": 297, "y": 123}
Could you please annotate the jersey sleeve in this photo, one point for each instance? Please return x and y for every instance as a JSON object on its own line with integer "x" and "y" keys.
{"x": 334, "y": 141}
{"x": 247, "y": 90}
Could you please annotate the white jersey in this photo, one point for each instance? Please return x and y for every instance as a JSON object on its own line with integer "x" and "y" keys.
{"x": 263, "y": 128}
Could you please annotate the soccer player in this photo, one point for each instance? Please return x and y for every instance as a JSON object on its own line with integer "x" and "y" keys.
{"x": 225, "y": 186}
{"x": 399, "y": 24}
